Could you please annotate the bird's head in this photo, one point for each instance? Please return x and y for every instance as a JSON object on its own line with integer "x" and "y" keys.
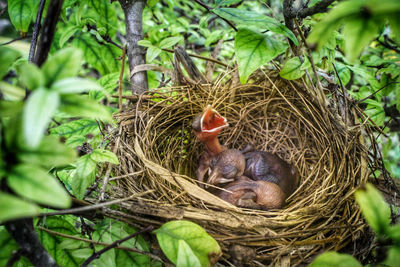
{"x": 208, "y": 124}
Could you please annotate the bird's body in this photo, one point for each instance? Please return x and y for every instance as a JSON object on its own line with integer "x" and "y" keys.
{"x": 256, "y": 179}
{"x": 246, "y": 193}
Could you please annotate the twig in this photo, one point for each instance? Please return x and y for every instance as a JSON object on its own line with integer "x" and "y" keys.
{"x": 115, "y": 244}
{"x": 310, "y": 58}
{"x": 371, "y": 95}
{"x": 107, "y": 175}
{"x": 16, "y": 39}
{"x": 121, "y": 76}
{"x": 317, "y": 8}
{"x": 201, "y": 57}
{"x": 209, "y": 9}
{"x": 92, "y": 207}
{"x": 343, "y": 93}
{"x": 36, "y": 29}
{"x": 15, "y": 256}
{"x": 388, "y": 46}
{"x": 97, "y": 242}
{"x": 4, "y": 9}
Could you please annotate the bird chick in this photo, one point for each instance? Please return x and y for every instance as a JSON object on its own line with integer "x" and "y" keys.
{"x": 206, "y": 126}
{"x": 226, "y": 166}
{"x": 265, "y": 166}
{"x": 246, "y": 193}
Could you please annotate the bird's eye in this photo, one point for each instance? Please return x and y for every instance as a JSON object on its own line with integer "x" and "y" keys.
{"x": 229, "y": 171}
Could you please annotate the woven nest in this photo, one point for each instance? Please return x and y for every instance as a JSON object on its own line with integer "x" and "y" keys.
{"x": 159, "y": 154}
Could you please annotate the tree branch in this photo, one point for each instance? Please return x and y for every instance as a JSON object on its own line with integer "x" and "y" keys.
{"x": 209, "y": 9}
{"x": 28, "y": 241}
{"x": 98, "y": 243}
{"x": 36, "y": 29}
{"x": 317, "y": 8}
{"x": 133, "y": 11}
{"x": 48, "y": 30}
{"x": 115, "y": 244}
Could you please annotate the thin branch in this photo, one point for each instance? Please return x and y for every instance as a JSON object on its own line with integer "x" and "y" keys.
{"x": 94, "y": 206}
{"x": 371, "y": 95}
{"x": 16, "y": 39}
{"x": 311, "y": 59}
{"x": 97, "y": 242}
{"x": 209, "y": 9}
{"x": 36, "y": 29}
{"x": 4, "y": 9}
{"x": 388, "y": 46}
{"x": 317, "y": 8}
{"x": 115, "y": 244}
{"x": 201, "y": 57}
{"x": 15, "y": 257}
{"x": 121, "y": 76}
{"x": 343, "y": 93}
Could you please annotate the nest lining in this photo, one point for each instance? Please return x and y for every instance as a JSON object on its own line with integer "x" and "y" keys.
{"x": 159, "y": 154}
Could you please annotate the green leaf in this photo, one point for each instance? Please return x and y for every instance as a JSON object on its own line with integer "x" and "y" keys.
{"x": 7, "y": 58}
{"x": 13, "y": 208}
{"x": 7, "y": 247}
{"x": 103, "y": 58}
{"x": 324, "y": 29}
{"x": 82, "y": 106}
{"x": 102, "y": 155}
{"x": 105, "y": 15}
{"x": 292, "y": 69}
{"x": 103, "y": 234}
{"x": 84, "y": 175}
{"x": 145, "y": 43}
{"x": 397, "y": 92}
{"x": 375, "y": 111}
{"x": 393, "y": 257}
{"x": 394, "y": 232}
{"x": 253, "y": 50}
{"x": 186, "y": 256}
{"x": 374, "y": 208}
{"x": 10, "y": 108}
{"x": 334, "y": 259}
{"x": 21, "y": 13}
{"x": 203, "y": 245}
{"x": 120, "y": 230}
{"x": 30, "y": 75}
{"x": 80, "y": 127}
{"x": 75, "y": 85}
{"x": 50, "y": 153}
{"x": 66, "y": 34}
{"x": 344, "y": 73}
{"x": 82, "y": 253}
{"x": 152, "y": 53}
{"x": 394, "y": 22}
{"x": 248, "y": 18}
{"x": 34, "y": 183}
{"x": 39, "y": 108}
{"x": 11, "y": 92}
{"x": 51, "y": 243}
{"x": 358, "y": 33}
{"x": 63, "y": 64}
{"x": 170, "y": 42}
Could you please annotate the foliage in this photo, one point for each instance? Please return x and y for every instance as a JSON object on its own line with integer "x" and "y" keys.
{"x": 377, "y": 213}
{"x": 47, "y": 114}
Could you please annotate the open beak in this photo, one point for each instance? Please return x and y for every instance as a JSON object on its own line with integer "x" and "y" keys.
{"x": 211, "y": 121}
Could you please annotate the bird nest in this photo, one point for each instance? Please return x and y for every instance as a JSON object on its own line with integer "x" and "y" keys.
{"x": 159, "y": 154}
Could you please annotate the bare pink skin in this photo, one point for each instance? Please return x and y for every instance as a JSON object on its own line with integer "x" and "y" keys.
{"x": 265, "y": 166}
{"x": 247, "y": 193}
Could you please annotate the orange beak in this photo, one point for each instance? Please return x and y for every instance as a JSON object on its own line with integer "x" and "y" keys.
{"x": 211, "y": 121}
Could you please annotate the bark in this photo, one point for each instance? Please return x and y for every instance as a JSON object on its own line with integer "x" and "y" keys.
{"x": 133, "y": 10}
{"x": 48, "y": 30}
{"x": 28, "y": 241}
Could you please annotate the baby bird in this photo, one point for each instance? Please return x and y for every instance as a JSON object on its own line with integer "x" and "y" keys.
{"x": 246, "y": 193}
{"x": 265, "y": 166}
